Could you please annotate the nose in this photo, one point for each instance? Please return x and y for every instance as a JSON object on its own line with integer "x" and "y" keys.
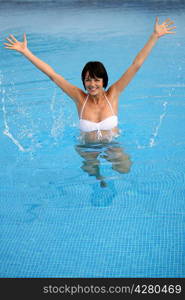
{"x": 92, "y": 81}
{"x": 92, "y": 85}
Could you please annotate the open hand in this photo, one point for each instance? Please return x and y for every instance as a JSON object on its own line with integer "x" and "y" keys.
{"x": 162, "y": 29}
{"x": 14, "y": 44}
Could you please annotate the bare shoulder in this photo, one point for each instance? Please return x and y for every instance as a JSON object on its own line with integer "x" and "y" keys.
{"x": 112, "y": 94}
{"x": 80, "y": 99}
{"x": 113, "y": 97}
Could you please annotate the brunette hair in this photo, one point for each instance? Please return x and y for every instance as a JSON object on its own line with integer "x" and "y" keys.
{"x": 96, "y": 70}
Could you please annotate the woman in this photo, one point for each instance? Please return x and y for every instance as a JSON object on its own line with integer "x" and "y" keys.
{"x": 97, "y": 107}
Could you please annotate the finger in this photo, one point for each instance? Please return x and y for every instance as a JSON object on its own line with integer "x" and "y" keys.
{"x": 166, "y": 21}
{"x": 171, "y": 28}
{"x": 9, "y": 45}
{"x": 170, "y": 32}
{"x": 25, "y": 39}
{"x": 157, "y": 20}
{"x": 9, "y": 48}
{"x": 13, "y": 38}
{"x": 170, "y": 23}
{"x": 10, "y": 41}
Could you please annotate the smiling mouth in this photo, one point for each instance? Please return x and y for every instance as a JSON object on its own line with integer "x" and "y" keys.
{"x": 92, "y": 89}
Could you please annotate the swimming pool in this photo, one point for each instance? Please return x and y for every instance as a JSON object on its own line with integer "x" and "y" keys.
{"x": 56, "y": 220}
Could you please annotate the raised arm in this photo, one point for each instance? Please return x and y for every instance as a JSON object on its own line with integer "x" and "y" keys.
{"x": 13, "y": 44}
{"x": 159, "y": 30}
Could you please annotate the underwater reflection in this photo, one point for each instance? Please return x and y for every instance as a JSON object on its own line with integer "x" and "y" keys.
{"x": 101, "y": 197}
{"x": 111, "y": 152}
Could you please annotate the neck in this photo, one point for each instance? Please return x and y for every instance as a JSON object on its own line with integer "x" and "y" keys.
{"x": 97, "y": 98}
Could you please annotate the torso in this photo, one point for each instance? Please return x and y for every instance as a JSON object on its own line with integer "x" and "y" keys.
{"x": 98, "y": 116}
{"x": 97, "y": 112}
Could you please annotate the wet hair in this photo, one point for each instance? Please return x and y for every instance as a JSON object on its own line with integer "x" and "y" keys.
{"x": 96, "y": 70}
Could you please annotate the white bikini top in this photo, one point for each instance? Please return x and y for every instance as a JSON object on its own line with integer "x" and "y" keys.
{"x": 106, "y": 124}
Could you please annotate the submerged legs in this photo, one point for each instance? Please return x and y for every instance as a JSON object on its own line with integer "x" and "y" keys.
{"x": 120, "y": 161}
{"x": 91, "y": 164}
{"x": 112, "y": 153}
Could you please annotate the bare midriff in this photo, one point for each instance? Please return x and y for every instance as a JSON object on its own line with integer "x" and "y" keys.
{"x": 93, "y": 136}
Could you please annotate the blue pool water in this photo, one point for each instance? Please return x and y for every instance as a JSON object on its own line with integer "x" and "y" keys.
{"x": 56, "y": 220}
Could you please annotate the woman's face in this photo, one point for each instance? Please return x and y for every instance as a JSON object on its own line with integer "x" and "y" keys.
{"x": 93, "y": 85}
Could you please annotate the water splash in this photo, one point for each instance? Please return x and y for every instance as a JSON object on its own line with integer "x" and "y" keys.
{"x": 156, "y": 129}
{"x": 57, "y": 128}
{"x": 6, "y": 130}
{"x": 21, "y": 123}
{"x": 8, "y": 99}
